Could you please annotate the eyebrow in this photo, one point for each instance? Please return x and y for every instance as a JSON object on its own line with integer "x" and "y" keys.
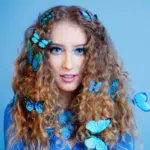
{"x": 63, "y": 45}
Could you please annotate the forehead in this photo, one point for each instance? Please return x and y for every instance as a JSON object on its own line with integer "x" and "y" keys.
{"x": 68, "y": 33}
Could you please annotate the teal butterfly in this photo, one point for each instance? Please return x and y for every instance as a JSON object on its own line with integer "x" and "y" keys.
{"x": 36, "y": 39}
{"x": 113, "y": 89}
{"x": 34, "y": 60}
{"x": 140, "y": 100}
{"x": 96, "y": 127}
{"x": 38, "y": 106}
{"x": 86, "y": 14}
{"x": 37, "y": 60}
{"x": 95, "y": 87}
{"x": 30, "y": 52}
{"x": 48, "y": 15}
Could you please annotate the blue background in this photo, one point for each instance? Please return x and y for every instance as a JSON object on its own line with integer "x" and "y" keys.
{"x": 127, "y": 22}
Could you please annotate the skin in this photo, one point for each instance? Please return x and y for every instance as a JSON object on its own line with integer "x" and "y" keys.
{"x": 67, "y": 57}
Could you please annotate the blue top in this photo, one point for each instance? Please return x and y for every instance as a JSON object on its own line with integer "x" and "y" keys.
{"x": 126, "y": 143}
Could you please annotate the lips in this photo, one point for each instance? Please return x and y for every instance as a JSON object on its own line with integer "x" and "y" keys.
{"x": 67, "y": 78}
{"x": 68, "y": 75}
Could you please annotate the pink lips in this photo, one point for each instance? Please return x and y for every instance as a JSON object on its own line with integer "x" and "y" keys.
{"x": 68, "y": 80}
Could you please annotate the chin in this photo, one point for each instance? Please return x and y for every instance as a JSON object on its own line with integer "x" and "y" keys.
{"x": 67, "y": 88}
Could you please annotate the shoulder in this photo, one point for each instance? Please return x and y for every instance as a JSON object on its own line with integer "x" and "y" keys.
{"x": 126, "y": 141}
{"x": 8, "y": 120}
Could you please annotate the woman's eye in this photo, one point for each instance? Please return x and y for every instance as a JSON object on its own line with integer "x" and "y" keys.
{"x": 79, "y": 51}
{"x": 55, "y": 50}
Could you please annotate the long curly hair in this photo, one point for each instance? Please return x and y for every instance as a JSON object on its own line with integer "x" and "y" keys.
{"x": 103, "y": 64}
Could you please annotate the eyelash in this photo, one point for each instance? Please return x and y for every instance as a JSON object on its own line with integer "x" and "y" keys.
{"x": 57, "y": 48}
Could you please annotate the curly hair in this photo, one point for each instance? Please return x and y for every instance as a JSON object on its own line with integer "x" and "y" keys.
{"x": 103, "y": 64}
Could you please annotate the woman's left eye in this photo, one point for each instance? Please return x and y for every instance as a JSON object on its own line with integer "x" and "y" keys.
{"x": 79, "y": 51}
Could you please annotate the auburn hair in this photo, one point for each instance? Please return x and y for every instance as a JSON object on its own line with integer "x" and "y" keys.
{"x": 103, "y": 64}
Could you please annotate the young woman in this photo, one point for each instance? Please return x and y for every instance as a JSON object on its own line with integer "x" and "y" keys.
{"x": 71, "y": 91}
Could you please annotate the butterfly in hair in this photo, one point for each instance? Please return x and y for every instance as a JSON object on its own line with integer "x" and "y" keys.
{"x": 86, "y": 14}
{"x": 34, "y": 60}
{"x": 113, "y": 88}
{"x": 36, "y": 39}
{"x": 95, "y": 87}
{"x": 45, "y": 17}
{"x": 31, "y": 105}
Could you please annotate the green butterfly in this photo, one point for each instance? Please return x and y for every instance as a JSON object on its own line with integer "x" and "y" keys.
{"x": 34, "y": 60}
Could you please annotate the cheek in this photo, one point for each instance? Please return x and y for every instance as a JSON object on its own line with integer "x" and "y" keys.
{"x": 54, "y": 63}
{"x": 80, "y": 63}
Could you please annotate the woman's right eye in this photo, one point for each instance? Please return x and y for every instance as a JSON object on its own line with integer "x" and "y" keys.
{"x": 55, "y": 50}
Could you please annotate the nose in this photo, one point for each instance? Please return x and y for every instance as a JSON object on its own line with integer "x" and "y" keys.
{"x": 67, "y": 62}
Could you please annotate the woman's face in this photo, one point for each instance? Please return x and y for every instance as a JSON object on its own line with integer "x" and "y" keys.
{"x": 67, "y": 55}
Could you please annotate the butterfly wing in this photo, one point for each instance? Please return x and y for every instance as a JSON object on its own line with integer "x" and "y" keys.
{"x": 115, "y": 83}
{"x": 46, "y": 16}
{"x": 29, "y": 104}
{"x": 35, "y": 38}
{"x": 95, "y": 143}
{"x": 44, "y": 43}
{"x": 102, "y": 125}
{"x": 92, "y": 83}
{"x": 140, "y": 99}
{"x": 113, "y": 88}
{"x": 30, "y": 53}
{"x": 36, "y": 61}
{"x": 97, "y": 86}
{"x": 86, "y": 14}
{"x": 50, "y": 16}
{"x": 36, "y": 35}
{"x": 48, "y": 12}
{"x": 97, "y": 126}
{"x": 90, "y": 142}
{"x": 39, "y": 106}
{"x": 100, "y": 145}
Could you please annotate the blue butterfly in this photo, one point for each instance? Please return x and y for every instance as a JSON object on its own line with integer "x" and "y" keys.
{"x": 35, "y": 60}
{"x": 96, "y": 127}
{"x": 86, "y": 14}
{"x": 38, "y": 106}
{"x": 48, "y": 15}
{"x": 113, "y": 88}
{"x": 95, "y": 87}
{"x": 140, "y": 99}
{"x": 36, "y": 39}
{"x": 30, "y": 52}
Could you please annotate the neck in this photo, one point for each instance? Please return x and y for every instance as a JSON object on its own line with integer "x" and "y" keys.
{"x": 65, "y": 99}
